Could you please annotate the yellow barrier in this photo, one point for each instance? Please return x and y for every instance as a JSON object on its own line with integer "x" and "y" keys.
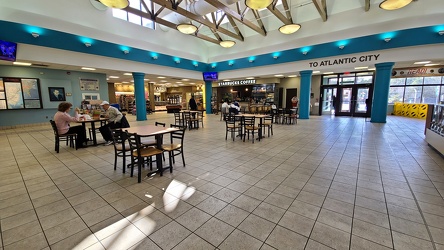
{"x": 414, "y": 110}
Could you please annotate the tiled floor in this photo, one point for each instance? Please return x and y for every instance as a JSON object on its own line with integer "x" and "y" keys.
{"x": 324, "y": 183}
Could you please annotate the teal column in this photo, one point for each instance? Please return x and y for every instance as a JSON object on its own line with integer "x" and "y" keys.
{"x": 381, "y": 91}
{"x": 139, "y": 93}
{"x": 208, "y": 94}
{"x": 304, "y": 96}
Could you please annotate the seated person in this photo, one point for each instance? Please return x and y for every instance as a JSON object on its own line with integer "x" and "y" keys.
{"x": 234, "y": 109}
{"x": 62, "y": 119}
{"x": 115, "y": 120}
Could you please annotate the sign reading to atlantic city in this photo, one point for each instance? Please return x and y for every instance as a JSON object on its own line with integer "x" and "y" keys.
{"x": 238, "y": 82}
{"x": 345, "y": 60}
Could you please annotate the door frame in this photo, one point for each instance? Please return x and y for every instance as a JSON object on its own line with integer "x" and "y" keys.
{"x": 353, "y": 100}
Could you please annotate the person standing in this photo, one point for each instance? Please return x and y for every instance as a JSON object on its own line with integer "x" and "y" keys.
{"x": 115, "y": 120}
{"x": 192, "y": 103}
{"x": 62, "y": 119}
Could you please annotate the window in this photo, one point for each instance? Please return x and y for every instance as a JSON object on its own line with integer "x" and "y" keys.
{"x": 132, "y": 18}
{"x": 416, "y": 90}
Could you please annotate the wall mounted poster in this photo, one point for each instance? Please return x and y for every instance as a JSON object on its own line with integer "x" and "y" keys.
{"x": 89, "y": 84}
{"x": 20, "y": 93}
{"x": 56, "y": 94}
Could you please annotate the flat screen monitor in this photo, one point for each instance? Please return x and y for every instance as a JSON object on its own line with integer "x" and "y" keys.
{"x": 210, "y": 76}
{"x": 8, "y": 51}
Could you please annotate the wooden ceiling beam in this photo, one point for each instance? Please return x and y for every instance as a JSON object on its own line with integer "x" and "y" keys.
{"x": 235, "y": 15}
{"x": 279, "y": 15}
{"x": 196, "y": 18}
{"x": 166, "y": 23}
{"x": 367, "y": 5}
{"x": 322, "y": 9}
{"x": 287, "y": 10}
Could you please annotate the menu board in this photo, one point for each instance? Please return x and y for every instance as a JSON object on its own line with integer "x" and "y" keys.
{"x": 20, "y": 93}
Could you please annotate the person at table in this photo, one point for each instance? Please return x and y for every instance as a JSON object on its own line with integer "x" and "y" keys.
{"x": 114, "y": 121}
{"x": 192, "y": 103}
{"x": 234, "y": 108}
{"x": 62, "y": 119}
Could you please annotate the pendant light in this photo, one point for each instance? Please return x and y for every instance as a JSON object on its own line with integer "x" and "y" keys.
{"x": 257, "y": 4}
{"x": 116, "y": 4}
{"x": 227, "y": 43}
{"x": 289, "y": 28}
{"x": 394, "y": 4}
{"x": 186, "y": 28}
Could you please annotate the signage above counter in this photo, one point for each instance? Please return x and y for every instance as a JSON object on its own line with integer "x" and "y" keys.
{"x": 237, "y": 82}
{"x": 414, "y": 72}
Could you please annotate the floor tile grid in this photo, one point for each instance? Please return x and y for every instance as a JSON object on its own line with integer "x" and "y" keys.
{"x": 406, "y": 148}
{"x": 39, "y": 219}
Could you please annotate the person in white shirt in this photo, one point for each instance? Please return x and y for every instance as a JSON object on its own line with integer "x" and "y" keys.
{"x": 114, "y": 121}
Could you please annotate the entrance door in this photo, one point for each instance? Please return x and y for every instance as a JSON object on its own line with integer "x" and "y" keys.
{"x": 353, "y": 100}
{"x": 290, "y": 93}
{"x": 328, "y": 102}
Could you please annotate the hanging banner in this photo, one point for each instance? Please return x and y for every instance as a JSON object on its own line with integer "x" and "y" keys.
{"x": 413, "y": 72}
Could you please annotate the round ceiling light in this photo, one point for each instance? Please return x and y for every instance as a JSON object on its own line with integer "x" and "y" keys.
{"x": 257, "y": 4}
{"x": 186, "y": 28}
{"x": 116, "y": 4}
{"x": 289, "y": 28}
{"x": 394, "y": 4}
{"x": 227, "y": 43}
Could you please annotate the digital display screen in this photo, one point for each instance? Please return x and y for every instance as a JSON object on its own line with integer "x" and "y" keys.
{"x": 210, "y": 76}
{"x": 8, "y": 51}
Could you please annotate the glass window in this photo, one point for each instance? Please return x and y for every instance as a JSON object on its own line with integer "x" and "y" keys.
{"x": 430, "y": 94}
{"x": 329, "y": 80}
{"x": 414, "y": 81}
{"x": 412, "y": 94}
{"x": 135, "y": 4}
{"x": 134, "y": 19}
{"x": 364, "y": 79}
{"x": 396, "y": 94}
{"x": 147, "y": 23}
{"x": 347, "y": 80}
{"x": 432, "y": 80}
{"x": 397, "y": 81}
{"x": 121, "y": 14}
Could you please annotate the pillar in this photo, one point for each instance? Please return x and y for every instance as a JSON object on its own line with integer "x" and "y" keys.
{"x": 208, "y": 95}
{"x": 151, "y": 96}
{"x": 139, "y": 93}
{"x": 381, "y": 91}
{"x": 304, "y": 97}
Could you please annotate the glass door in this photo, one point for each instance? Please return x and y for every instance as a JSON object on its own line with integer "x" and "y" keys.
{"x": 328, "y": 97}
{"x": 354, "y": 100}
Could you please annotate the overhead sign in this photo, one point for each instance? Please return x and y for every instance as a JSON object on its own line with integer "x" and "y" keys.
{"x": 412, "y": 72}
{"x": 239, "y": 82}
{"x": 345, "y": 60}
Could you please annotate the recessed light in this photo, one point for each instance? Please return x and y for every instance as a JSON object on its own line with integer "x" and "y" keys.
{"x": 181, "y": 84}
{"x": 125, "y": 82}
{"x": 163, "y": 81}
{"x": 249, "y": 78}
{"x": 431, "y": 64}
{"x": 279, "y": 75}
{"x": 292, "y": 76}
{"x": 192, "y": 83}
{"x": 146, "y": 79}
{"x": 185, "y": 79}
{"x": 127, "y": 74}
{"x": 132, "y": 80}
{"x": 178, "y": 82}
{"x": 316, "y": 71}
{"x": 327, "y": 73}
{"x": 161, "y": 77}
{"x": 363, "y": 67}
{"x": 86, "y": 68}
{"x": 372, "y": 69}
{"x": 226, "y": 80}
{"x": 423, "y": 62}
{"x": 22, "y": 63}
{"x": 113, "y": 77}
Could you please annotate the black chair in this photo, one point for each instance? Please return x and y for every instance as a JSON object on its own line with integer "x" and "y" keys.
{"x": 71, "y": 138}
{"x": 175, "y": 147}
{"x": 121, "y": 147}
{"x": 232, "y": 126}
{"x": 178, "y": 120}
{"x": 200, "y": 117}
{"x": 140, "y": 154}
{"x": 249, "y": 126}
{"x": 189, "y": 121}
{"x": 268, "y": 123}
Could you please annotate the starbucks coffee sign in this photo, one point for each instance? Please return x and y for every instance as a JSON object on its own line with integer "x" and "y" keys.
{"x": 237, "y": 82}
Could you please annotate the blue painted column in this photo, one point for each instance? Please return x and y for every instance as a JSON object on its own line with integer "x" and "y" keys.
{"x": 208, "y": 94}
{"x": 381, "y": 91}
{"x": 139, "y": 93}
{"x": 304, "y": 97}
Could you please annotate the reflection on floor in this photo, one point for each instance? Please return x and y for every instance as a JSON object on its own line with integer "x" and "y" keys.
{"x": 327, "y": 182}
